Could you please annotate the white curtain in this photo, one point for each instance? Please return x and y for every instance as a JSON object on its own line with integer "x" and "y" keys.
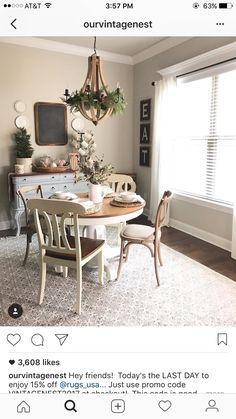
{"x": 163, "y": 131}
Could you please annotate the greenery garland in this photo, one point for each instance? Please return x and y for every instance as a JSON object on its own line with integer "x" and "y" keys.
{"x": 99, "y": 100}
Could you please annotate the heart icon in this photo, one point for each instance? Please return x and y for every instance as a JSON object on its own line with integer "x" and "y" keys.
{"x": 11, "y": 361}
{"x": 165, "y": 405}
{"x": 13, "y": 339}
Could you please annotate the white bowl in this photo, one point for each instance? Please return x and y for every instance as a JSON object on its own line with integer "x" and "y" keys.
{"x": 127, "y": 196}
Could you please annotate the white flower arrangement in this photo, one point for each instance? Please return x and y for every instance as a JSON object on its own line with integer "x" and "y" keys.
{"x": 89, "y": 163}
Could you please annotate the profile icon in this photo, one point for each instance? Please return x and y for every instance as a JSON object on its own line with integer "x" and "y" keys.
{"x": 212, "y": 406}
{"x": 15, "y": 311}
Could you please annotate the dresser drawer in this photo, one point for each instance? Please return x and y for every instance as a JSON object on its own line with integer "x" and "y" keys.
{"x": 56, "y": 187}
{"x": 42, "y": 179}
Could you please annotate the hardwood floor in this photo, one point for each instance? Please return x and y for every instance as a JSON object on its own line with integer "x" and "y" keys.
{"x": 209, "y": 255}
{"x": 205, "y": 253}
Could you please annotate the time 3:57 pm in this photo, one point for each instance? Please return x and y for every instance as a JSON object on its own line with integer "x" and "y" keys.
{"x": 119, "y": 6}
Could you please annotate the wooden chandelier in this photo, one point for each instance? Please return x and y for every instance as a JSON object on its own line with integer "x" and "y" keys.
{"x": 94, "y": 101}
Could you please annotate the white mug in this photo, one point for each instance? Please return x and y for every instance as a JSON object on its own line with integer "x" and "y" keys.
{"x": 19, "y": 169}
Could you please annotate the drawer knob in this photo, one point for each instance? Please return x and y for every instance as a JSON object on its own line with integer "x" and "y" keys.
{"x": 53, "y": 187}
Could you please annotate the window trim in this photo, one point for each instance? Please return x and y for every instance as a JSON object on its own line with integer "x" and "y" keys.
{"x": 217, "y": 206}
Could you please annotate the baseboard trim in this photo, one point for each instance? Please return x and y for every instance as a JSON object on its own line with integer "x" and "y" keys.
{"x": 5, "y": 225}
{"x": 146, "y": 212}
{"x": 201, "y": 234}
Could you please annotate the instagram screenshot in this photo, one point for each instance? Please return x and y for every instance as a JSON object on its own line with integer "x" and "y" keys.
{"x": 117, "y": 209}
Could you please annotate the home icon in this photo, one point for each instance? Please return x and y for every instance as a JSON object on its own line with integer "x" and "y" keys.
{"x": 23, "y": 407}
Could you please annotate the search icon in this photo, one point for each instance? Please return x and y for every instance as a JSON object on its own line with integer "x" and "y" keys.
{"x": 70, "y": 405}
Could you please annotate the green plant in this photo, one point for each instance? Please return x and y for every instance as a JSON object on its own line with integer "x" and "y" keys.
{"x": 24, "y": 148}
{"x": 100, "y": 100}
{"x": 89, "y": 163}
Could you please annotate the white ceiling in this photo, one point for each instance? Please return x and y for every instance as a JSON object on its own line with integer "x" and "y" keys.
{"x": 130, "y": 45}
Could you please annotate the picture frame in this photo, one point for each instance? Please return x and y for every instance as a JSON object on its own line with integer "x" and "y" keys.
{"x": 145, "y": 131}
{"x": 145, "y": 110}
{"x": 145, "y": 156}
{"x": 50, "y": 123}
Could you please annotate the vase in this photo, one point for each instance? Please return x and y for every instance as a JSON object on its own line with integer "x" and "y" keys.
{"x": 95, "y": 193}
{"x": 26, "y": 162}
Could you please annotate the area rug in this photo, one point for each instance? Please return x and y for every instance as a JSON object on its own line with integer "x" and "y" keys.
{"x": 190, "y": 293}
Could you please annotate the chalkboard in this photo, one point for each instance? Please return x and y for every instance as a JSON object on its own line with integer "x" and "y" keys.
{"x": 50, "y": 123}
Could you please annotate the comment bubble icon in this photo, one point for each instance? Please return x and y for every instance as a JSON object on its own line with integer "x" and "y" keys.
{"x": 37, "y": 339}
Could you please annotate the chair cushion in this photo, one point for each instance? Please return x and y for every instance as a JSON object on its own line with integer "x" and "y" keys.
{"x": 137, "y": 232}
{"x": 88, "y": 246}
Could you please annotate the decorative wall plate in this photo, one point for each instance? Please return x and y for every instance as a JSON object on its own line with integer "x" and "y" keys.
{"x": 21, "y": 121}
{"x": 77, "y": 124}
{"x": 19, "y": 106}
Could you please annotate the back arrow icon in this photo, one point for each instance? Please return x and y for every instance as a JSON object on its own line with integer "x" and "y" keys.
{"x": 12, "y": 23}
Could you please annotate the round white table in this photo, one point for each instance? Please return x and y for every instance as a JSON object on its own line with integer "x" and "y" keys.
{"x": 96, "y": 227}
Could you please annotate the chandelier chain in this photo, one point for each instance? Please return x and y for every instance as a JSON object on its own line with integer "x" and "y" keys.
{"x": 94, "y": 45}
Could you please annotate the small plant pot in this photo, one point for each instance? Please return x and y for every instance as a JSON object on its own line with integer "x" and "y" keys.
{"x": 26, "y": 162}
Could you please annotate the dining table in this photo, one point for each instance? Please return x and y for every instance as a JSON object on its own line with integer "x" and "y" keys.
{"x": 109, "y": 214}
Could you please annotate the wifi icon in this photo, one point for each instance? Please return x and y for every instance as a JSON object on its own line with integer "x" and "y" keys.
{"x": 48, "y": 5}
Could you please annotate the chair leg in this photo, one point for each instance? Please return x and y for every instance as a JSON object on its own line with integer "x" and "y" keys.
{"x": 121, "y": 258}
{"x": 78, "y": 290}
{"x": 43, "y": 269}
{"x": 126, "y": 255}
{"x": 65, "y": 271}
{"x": 120, "y": 227}
{"x": 159, "y": 253}
{"x": 101, "y": 267}
{"x": 28, "y": 241}
{"x": 156, "y": 262}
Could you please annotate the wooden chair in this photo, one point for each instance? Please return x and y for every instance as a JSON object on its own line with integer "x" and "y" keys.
{"x": 121, "y": 183}
{"x": 146, "y": 235}
{"x": 58, "y": 248}
{"x": 26, "y": 192}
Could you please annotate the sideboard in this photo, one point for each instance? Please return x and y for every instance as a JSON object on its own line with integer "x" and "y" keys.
{"x": 50, "y": 182}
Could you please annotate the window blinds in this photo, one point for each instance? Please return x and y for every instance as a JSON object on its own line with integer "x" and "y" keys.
{"x": 204, "y": 148}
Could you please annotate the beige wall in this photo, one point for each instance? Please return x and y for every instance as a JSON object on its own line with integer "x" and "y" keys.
{"x": 34, "y": 75}
{"x": 212, "y": 221}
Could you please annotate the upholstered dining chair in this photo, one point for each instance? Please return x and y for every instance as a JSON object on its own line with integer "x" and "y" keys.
{"x": 146, "y": 235}
{"x": 120, "y": 183}
{"x": 59, "y": 249}
{"x": 26, "y": 192}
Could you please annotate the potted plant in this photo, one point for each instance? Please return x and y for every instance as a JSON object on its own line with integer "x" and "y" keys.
{"x": 24, "y": 149}
{"x": 92, "y": 167}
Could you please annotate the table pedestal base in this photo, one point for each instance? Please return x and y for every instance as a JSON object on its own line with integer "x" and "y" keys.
{"x": 99, "y": 232}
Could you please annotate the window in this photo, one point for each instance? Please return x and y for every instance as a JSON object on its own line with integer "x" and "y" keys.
{"x": 204, "y": 147}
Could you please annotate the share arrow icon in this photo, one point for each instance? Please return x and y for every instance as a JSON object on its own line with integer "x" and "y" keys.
{"x": 62, "y": 338}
